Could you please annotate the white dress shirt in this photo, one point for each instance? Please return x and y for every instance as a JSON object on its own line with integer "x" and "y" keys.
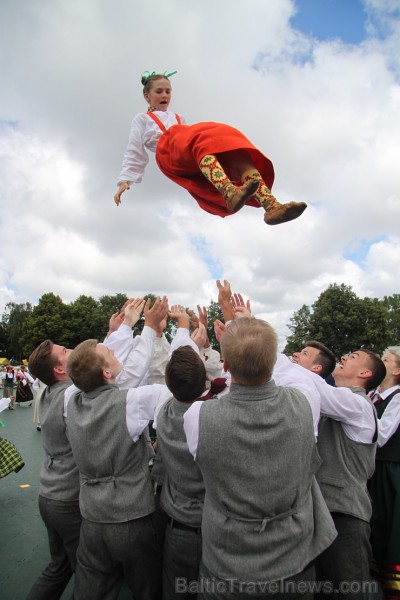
{"x": 134, "y": 353}
{"x": 144, "y": 134}
{"x": 390, "y": 420}
{"x": 143, "y": 403}
{"x": 355, "y": 413}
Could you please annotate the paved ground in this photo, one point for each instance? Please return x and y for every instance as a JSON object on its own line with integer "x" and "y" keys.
{"x": 24, "y": 547}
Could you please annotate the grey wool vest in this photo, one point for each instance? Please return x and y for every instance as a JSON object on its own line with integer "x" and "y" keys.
{"x": 114, "y": 471}
{"x": 346, "y": 467}
{"x": 59, "y": 475}
{"x": 264, "y": 517}
{"x": 182, "y": 495}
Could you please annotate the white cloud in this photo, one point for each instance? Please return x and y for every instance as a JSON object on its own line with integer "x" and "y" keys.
{"x": 326, "y": 113}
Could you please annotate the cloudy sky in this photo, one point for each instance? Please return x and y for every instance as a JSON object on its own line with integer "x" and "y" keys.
{"x": 313, "y": 83}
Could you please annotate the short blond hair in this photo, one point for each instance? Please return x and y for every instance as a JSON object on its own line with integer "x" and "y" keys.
{"x": 395, "y": 350}
{"x": 250, "y": 348}
{"x": 85, "y": 366}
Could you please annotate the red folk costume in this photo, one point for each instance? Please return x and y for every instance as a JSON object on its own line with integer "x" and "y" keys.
{"x": 190, "y": 155}
{"x": 181, "y": 148}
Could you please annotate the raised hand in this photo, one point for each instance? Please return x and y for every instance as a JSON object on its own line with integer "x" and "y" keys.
{"x": 115, "y": 322}
{"x": 219, "y": 328}
{"x": 199, "y": 336}
{"x": 154, "y": 315}
{"x": 178, "y": 313}
{"x": 132, "y": 311}
{"x": 224, "y": 292}
{"x": 239, "y": 307}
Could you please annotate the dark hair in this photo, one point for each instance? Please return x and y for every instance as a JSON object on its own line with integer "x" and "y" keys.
{"x": 377, "y": 367}
{"x": 185, "y": 374}
{"x": 147, "y": 81}
{"x": 325, "y": 358}
{"x": 41, "y": 363}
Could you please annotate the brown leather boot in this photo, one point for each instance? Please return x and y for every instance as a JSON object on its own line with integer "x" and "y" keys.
{"x": 235, "y": 197}
{"x": 277, "y": 213}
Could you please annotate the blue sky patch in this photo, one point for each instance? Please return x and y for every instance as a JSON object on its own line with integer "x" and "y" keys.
{"x": 331, "y": 19}
{"x": 213, "y": 264}
{"x": 358, "y": 250}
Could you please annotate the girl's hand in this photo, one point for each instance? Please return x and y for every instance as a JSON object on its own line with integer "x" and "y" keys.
{"x": 124, "y": 185}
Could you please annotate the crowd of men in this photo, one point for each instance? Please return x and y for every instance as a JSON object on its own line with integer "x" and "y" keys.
{"x": 258, "y": 485}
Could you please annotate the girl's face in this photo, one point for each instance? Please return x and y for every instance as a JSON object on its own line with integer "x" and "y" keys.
{"x": 391, "y": 364}
{"x": 159, "y": 96}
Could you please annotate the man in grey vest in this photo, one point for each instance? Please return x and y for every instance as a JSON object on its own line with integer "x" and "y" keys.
{"x": 264, "y": 518}
{"x": 182, "y": 495}
{"x": 59, "y": 477}
{"x": 347, "y": 445}
{"x": 347, "y": 436}
{"x": 119, "y": 537}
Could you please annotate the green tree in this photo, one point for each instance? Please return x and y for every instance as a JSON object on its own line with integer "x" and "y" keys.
{"x": 109, "y": 305}
{"x": 14, "y": 319}
{"x": 375, "y": 336}
{"x": 85, "y": 321}
{"x": 214, "y": 312}
{"x": 336, "y": 321}
{"x": 3, "y": 341}
{"x": 48, "y": 319}
{"x": 300, "y": 328}
{"x": 392, "y": 304}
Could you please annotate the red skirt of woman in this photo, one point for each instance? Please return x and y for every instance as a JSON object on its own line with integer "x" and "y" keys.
{"x": 181, "y": 148}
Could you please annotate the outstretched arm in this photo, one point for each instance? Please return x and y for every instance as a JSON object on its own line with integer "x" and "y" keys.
{"x": 224, "y": 299}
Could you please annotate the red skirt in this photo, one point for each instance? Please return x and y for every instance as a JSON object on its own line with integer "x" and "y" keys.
{"x": 181, "y": 148}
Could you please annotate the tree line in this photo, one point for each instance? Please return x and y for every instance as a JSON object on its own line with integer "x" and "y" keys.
{"x": 24, "y": 326}
{"x": 338, "y": 318}
{"x": 344, "y": 322}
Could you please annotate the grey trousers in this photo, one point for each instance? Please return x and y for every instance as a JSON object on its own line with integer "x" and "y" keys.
{"x": 181, "y": 561}
{"x": 296, "y": 587}
{"x": 63, "y": 523}
{"x": 109, "y": 553}
{"x": 345, "y": 565}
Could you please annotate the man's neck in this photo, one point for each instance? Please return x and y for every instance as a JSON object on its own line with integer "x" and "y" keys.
{"x": 386, "y": 384}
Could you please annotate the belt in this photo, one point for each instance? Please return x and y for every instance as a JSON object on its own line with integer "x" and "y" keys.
{"x": 178, "y": 525}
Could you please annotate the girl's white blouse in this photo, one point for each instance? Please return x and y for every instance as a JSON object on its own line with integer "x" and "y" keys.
{"x": 143, "y": 135}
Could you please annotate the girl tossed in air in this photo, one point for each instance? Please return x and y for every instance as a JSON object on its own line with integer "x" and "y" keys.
{"x": 214, "y": 162}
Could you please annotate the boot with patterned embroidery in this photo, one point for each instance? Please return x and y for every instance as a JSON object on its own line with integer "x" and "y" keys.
{"x": 275, "y": 212}
{"x": 234, "y": 196}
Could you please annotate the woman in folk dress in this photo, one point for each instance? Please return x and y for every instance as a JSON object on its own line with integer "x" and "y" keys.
{"x": 214, "y": 162}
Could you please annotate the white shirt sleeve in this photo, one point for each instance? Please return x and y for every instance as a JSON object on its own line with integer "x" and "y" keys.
{"x": 182, "y": 338}
{"x": 354, "y": 412}
{"x": 191, "y": 420}
{"x": 291, "y": 375}
{"x": 138, "y": 361}
{"x": 141, "y": 404}
{"x": 69, "y": 392}
{"x": 120, "y": 342}
{"x": 135, "y": 158}
{"x": 212, "y": 362}
{"x": 156, "y": 372}
{"x": 390, "y": 420}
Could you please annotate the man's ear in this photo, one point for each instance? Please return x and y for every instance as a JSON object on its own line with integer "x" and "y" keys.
{"x": 316, "y": 369}
{"x": 365, "y": 374}
{"x": 106, "y": 374}
{"x": 59, "y": 370}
